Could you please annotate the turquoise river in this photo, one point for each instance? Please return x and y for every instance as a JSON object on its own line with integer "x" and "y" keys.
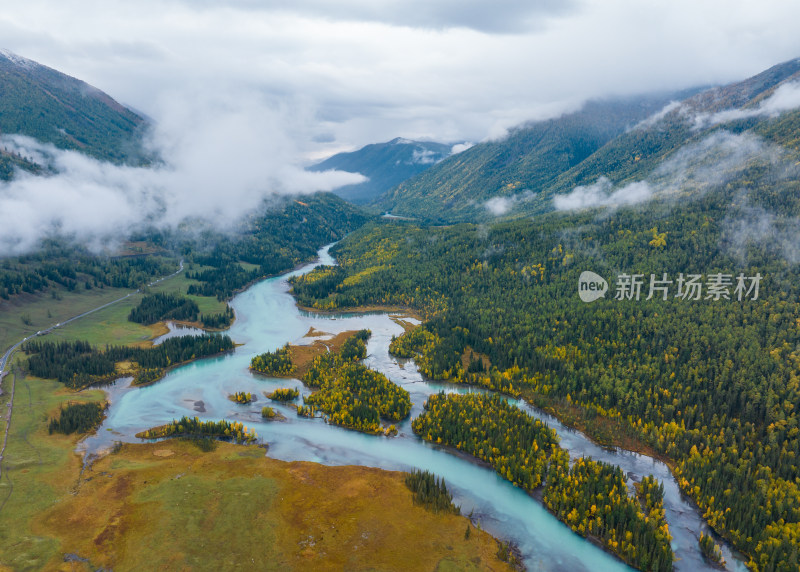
{"x": 267, "y": 317}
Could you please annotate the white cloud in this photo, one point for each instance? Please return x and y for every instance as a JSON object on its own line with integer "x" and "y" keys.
{"x": 377, "y": 70}
{"x": 603, "y": 194}
{"x": 693, "y": 169}
{"x": 245, "y": 92}
{"x": 659, "y": 115}
{"x": 461, "y": 147}
{"x": 425, "y": 157}
{"x": 748, "y": 225}
{"x": 785, "y": 98}
{"x": 219, "y": 164}
{"x": 499, "y": 206}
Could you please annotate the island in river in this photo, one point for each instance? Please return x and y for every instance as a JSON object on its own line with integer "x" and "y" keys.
{"x": 174, "y": 505}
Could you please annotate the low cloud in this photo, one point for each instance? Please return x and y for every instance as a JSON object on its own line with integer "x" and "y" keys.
{"x": 220, "y": 162}
{"x": 694, "y": 169}
{"x": 603, "y": 194}
{"x": 425, "y": 157}
{"x": 659, "y": 115}
{"x": 785, "y": 98}
{"x": 499, "y": 206}
{"x": 461, "y": 147}
{"x": 754, "y": 226}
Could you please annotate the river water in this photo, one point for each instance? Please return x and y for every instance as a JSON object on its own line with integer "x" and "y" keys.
{"x": 267, "y": 318}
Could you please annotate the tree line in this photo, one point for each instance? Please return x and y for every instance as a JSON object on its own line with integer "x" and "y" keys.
{"x": 430, "y": 491}
{"x": 350, "y": 394}
{"x": 77, "y": 418}
{"x": 79, "y": 364}
{"x": 194, "y": 427}
{"x": 158, "y": 307}
{"x": 711, "y": 385}
{"x": 589, "y": 496}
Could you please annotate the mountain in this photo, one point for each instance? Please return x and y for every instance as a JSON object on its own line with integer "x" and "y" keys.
{"x": 385, "y": 164}
{"x": 690, "y": 348}
{"x": 613, "y": 141}
{"x": 529, "y": 158}
{"x": 52, "y": 107}
{"x": 641, "y": 152}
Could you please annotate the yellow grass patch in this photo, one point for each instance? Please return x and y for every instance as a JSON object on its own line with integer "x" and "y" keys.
{"x": 225, "y": 510}
{"x": 302, "y": 356}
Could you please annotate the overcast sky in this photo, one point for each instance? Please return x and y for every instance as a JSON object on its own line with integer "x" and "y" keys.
{"x": 345, "y": 73}
{"x": 247, "y": 93}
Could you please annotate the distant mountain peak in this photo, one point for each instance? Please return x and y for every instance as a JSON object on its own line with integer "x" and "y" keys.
{"x": 53, "y": 107}
{"x": 18, "y": 60}
{"x": 384, "y": 164}
{"x": 615, "y": 143}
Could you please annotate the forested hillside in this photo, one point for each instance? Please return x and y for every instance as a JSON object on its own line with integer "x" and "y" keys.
{"x": 384, "y": 164}
{"x": 707, "y": 376}
{"x": 617, "y": 142}
{"x": 528, "y": 159}
{"x": 283, "y": 235}
{"x": 272, "y": 241}
{"x": 52, "y": 107}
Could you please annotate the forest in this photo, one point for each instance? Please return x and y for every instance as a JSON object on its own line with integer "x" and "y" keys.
{"x": 277, "y": 363}
{"x": 79, "y": 364}
{"x": 194, "y": 427}
{"x": 590, "y": 497}
{"x": 277, "y": 238}
{"x": 77, "y": 418}
{"x": 430, "y": 491}
{"x": 72, "y": 267}
{"x": 350, "y": 394}
{"x": 284, "y": 394}
{"x": 280, "y": 238}
{"x": 160, "y": 306}
{"x": 711, "y": 385}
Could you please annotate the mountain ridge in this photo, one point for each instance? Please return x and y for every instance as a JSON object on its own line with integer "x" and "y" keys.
{"x": 521, "y": 173}
{"x": 40, "y": 102}
{"x": 384, "y": 164}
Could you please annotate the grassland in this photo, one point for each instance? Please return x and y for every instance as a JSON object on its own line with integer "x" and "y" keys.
{"x": 169, "y": 505}
{"x": 38, "y": 469}
{"x": 109, "y": 325}
{"x": 42, "y": 311}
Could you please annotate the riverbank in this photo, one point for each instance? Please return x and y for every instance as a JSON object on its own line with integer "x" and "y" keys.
{"x": 612, "y": 441}
{"x": 603, "y": 431}
{"x": 235, "y": 507}
{"x": 370, "y": 308}
{"x": 167, "y": 494}
{"x": 269, "y": 319}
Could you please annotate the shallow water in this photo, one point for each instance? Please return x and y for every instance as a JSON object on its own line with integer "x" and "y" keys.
{"x": 267, "y": 317}
{"x": 176, "y": 331}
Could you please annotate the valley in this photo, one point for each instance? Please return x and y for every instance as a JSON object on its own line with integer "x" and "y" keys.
{"x": 572, "y": 345}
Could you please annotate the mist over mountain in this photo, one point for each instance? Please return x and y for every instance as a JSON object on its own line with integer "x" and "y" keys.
{"x": 385, "y": 165}
{"x": 72, "y": 160}
{"x": 52, "y": 107}
{"x": 530, "y": 157}
{"x": 609, "y": 152}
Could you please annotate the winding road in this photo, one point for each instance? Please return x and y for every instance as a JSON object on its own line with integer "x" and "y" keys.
{"x": 10, "y": 352}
